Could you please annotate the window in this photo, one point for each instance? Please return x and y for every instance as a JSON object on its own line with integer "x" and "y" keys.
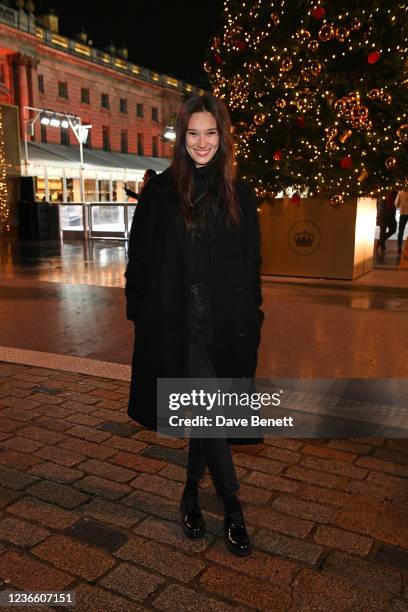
{"x": 104, "y": 190}
{"x": 139, "y": 109}
{"x": 85, "y": 99}
{"x": 105, "y": 100}
{"x": 43, "y": 129}
{"x": 105, "y": 138}
{"x": 65, "y": 137}
{"x": 155, "y": 146}
{"x": 63, "y": 89}
{"x": 88, "y": 141}
{"x": 155, "y": 113}
{"x": 55, "y": 189}
{"x": 41, "y": 83}
{"x": 122, "y": 105}
{"x": 123, "y": 141}
{"x": 39, "y": 195}
{"x": 140, "y": 144}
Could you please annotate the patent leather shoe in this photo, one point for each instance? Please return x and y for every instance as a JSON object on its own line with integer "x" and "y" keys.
{"x": 191, "y": 518}
{"x": 235, "y": 534}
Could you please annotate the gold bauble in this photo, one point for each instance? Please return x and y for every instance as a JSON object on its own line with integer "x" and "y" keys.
{"x": 287, "y": 64}
{"x": 259, "y": 118}
{"x": 390, "y": 163}
{"x": 345, "y": 135}
{"x": 340, "y": 105}
{"x": 402, "y": 132}
{"x": 337, "y": 201}
{"x": 386, "y": 98}
{"x": 216, "y": 42}
{"x": 362, "y": 176}
{"x": 207, "y": 66}
{"x": 326, "y": 32}
{"x": 315, "y": 68}
{"x": 342, "y": 34}
{"x": 374, "y": 94}
{"x": 275, "y": 19}
{"x": 305, "y": 74}
{"x": 362, "y": 112}
{"x": 313, "y": 45}
{"x": 303, "y": 36}
{"x": 280, "y": 103}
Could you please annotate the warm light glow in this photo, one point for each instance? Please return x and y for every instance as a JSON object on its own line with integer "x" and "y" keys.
{"x": 315, "y": 85}
{"x": 4, "y": 207}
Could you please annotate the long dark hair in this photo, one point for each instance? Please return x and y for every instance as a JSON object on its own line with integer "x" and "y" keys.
{"x": 221, "y": 190}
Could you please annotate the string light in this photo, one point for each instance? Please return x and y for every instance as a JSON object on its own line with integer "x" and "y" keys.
{"x": 299, "y": 79}
{"x": 4, "y": 207}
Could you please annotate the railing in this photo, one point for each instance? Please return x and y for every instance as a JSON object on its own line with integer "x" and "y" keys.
{"x": 26, "y": 22}
{"x": 97, "y": 219}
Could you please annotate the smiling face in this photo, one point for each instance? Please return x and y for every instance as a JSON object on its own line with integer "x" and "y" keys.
{"x": 202, "y": 138}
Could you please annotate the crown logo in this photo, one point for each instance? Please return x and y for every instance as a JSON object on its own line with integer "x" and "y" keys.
{"x": 304, "y": 239}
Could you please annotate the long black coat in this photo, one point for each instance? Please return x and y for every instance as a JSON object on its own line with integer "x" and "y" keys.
{"x": 157, "y": 299}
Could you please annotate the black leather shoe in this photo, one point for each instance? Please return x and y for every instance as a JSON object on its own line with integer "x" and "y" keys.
{"x": 235, "y": 534}
{"x": 191, "y": 517}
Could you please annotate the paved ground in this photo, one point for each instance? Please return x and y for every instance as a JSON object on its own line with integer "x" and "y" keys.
{"x": 89, "y": 503}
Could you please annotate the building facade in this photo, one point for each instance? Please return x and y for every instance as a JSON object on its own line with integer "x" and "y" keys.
{"x": 127, "y": 105}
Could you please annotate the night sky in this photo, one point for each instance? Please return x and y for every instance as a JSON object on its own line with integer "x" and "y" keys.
{"x": 170, "y": 36}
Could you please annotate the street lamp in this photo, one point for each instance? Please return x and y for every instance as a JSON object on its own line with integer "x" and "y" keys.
{"x": 55, "y": 119}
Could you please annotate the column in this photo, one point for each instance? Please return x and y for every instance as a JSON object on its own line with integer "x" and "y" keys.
{"x": 20, "y": 61}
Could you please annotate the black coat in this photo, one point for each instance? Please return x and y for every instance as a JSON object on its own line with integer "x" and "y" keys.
{"x": 157, "y": 299}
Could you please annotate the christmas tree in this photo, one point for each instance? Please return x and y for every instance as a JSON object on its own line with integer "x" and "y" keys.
{"x": 318, "y": 92}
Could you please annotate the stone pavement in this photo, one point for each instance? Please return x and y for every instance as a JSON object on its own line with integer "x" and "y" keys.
{"x": 89, "y": 503}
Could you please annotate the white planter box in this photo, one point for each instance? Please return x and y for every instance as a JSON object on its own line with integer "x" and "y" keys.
{"x": 316, "y": 240}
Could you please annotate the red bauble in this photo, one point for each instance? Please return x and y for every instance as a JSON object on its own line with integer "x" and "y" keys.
{"x": 373, "y": 57}
{"x": 295, "y": 199}
{"x": 240, "y": 45}
{"x": 277, "y": 156}
{"x": 346, "y": 162}
{"x": 300, "y": 121}
{"x": 217, "y": 59}
{"x": 318, "y": 12}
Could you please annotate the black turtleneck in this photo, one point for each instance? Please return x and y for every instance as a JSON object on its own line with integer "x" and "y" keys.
{"x": 197, "y": 239}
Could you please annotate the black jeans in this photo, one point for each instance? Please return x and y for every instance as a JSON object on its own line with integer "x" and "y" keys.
{"x": 387, "y": 229}
{"x": 212, "y": 452}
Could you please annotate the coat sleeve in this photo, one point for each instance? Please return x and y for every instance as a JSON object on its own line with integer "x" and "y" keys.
{"x": 136, "y": 274}
{"x": 254, "y": 252}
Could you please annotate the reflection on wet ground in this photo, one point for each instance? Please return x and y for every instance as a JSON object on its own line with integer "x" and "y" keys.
{"x": 68, "y": 298}
{"x": 102, "y": 263}
{"x": 98, "y": 262}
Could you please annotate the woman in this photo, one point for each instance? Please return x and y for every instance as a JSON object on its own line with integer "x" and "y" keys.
{"x": 193, "y": 291}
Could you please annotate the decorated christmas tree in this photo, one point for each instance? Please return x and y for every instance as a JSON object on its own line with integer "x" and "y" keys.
{"x": 318, "y": 91}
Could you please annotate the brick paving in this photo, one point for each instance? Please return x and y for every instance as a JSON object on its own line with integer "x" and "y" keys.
{"x": 89, "y": 502}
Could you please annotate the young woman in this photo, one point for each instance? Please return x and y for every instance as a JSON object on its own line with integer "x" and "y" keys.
{"x": 193, "y": 291}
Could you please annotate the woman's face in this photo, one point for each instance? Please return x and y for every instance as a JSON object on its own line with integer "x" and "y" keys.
{"x": 202, "y": 138}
